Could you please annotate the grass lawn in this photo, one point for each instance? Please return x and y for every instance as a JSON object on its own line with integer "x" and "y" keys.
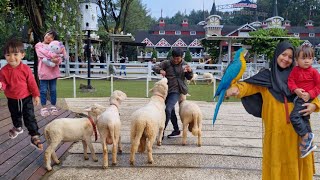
{"x": 133, "y": 88}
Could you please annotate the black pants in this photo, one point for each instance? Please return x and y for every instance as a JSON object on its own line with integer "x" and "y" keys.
{"x": 299, "y": 122}
{"x": 23, "y": 108}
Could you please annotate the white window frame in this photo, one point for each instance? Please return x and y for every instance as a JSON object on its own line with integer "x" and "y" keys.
{"x": 296, "y": 34}
{"x": 193, "y": 33}
{"x": 311, "y": 35}
{"x": 177, "y": 32}
{"x": 162, "y": 32}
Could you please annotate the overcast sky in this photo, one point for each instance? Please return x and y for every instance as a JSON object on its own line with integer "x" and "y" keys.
{"x": 171, "y": 7}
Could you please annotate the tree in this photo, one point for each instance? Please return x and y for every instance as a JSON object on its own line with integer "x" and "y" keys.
{"x": 138, "y": 18}
{"x": 38, "y": 16}
{"x": 265, "y": 41}
{"x": 197, "y": 16}
{"x": 154, "y": 54}
{"x": 212, "y": 47}
{"x": 115, "y": 13}
{"x": 188, "y": 57}
{"x": 169, "y": 54}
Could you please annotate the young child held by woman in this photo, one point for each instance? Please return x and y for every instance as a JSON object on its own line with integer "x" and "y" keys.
{"x": 304, "y": 81}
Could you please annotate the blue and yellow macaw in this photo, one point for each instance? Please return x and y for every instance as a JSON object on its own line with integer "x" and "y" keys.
{"x": 232, "y": 74}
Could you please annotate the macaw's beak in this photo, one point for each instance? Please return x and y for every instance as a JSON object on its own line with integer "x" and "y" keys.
{"x": 245, "y": 51}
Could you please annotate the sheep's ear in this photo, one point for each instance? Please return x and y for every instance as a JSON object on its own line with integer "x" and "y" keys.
{"x": 151, "y": 90}
{"x": 87, "y": 109}
{"x": 188, "y": 94}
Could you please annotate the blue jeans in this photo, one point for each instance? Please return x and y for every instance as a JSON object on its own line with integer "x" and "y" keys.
{"x": 171, "y": 100}
{"x": 123, "y": 68}
{"x": 50, "y": 85}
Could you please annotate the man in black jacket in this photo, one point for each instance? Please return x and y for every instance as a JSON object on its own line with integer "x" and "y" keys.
{"x": 176, "y": 71}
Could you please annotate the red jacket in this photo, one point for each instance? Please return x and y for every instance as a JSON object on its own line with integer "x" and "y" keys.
{"x": 19, "y": 82}
{"x": 307, "y": 79}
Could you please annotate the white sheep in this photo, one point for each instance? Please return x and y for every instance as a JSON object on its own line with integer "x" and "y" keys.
{"x": 208, "y": 77}
{"x": 109, "y": 125}
{"x": 191, "y": 117}
{"x": 149, "y": 121}
{"x": 71, "y": 129}
{"x": 193, "y": 79}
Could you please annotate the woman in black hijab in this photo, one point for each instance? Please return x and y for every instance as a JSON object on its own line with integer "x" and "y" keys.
{"x": 266, "y": 95}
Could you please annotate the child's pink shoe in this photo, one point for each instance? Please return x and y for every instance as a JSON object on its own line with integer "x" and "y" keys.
{"x": 54, "y": 111}
{"x": 44, "y": 112}
{"x": 14, "y": 132}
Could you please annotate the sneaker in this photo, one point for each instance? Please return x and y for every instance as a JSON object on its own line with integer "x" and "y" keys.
{"x": 308, "y": 141}
{"x": 174, "y": 134}
{"x": 305, "y": 153}
{"x": 14, "y": 132}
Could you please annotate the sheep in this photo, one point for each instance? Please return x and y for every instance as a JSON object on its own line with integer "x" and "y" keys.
{"x": 208, "y": 77}
{"x": 193, "y": 79}
{"x": 191, "y": 117}
{"x": 109, "y": 125}
{"x": 148, "y": 121}
{"x": 71, "y": 129}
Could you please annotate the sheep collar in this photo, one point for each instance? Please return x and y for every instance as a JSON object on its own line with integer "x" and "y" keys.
{"x": 94, "y": 128}
{"x": 114, "y": 105}
{"x": 157, "y": 94}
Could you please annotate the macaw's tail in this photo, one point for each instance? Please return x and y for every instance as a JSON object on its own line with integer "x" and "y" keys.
{"x": 221, "y": 97}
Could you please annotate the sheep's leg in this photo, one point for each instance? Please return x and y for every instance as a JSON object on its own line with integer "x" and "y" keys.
{"x": 85, "y": 150}
{"x": 114, "y": 152}
{"x": 93, "y": 154}
{"x": 135, "y": 141}
{"x": 149, "y": 147}
{"x": 184, "y": 134}
{"x": 119, "y": 146}
{"x": 47, "y": 156}
{"x": 55, "y": 157}
{"x": 105, "y": 151}
{"x": 114, "y": 145}
{"x": 199, "y": 135}
{"x": 160, "y": 135}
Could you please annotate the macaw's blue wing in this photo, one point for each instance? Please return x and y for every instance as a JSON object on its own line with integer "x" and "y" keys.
{"x": 230, "y": 74}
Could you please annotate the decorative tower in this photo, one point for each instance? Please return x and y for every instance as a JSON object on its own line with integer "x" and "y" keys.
{"x": 89, "y": 13}
{"x": 275, "y": 8}
{"x": 89, "y": 23}
{"x": 213, "y": 8}
{"x": 213, "y": 26}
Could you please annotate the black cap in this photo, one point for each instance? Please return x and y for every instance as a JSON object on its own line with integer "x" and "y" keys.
{"x": 177, "y": 53}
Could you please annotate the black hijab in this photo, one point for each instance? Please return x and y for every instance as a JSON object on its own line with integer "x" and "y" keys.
{"x": 276, "y": 80}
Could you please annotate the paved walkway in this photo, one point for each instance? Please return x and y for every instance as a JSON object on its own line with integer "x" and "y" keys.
{"x": 231, "y": 149}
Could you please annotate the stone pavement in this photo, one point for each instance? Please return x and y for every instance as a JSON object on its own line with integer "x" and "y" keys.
{"x": 230, "y": 150}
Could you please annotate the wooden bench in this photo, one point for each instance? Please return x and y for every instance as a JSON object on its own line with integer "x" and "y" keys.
{"x": 18, "y": 159}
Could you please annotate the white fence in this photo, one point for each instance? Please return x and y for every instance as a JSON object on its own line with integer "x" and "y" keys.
{"x": 134, "y": 69}
{"x": 137, "y": 70}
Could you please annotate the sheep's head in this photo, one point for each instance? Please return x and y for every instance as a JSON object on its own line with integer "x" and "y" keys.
{"x": 95, "y": 110}
{"x": 183, "y": 97}
{"x": 117, "y": 97}
{"x": 161, "y": 88}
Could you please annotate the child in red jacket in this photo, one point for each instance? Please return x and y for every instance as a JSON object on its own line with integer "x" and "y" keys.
{"x": 304, "y": 81}
{"x": 19, "y": 86}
